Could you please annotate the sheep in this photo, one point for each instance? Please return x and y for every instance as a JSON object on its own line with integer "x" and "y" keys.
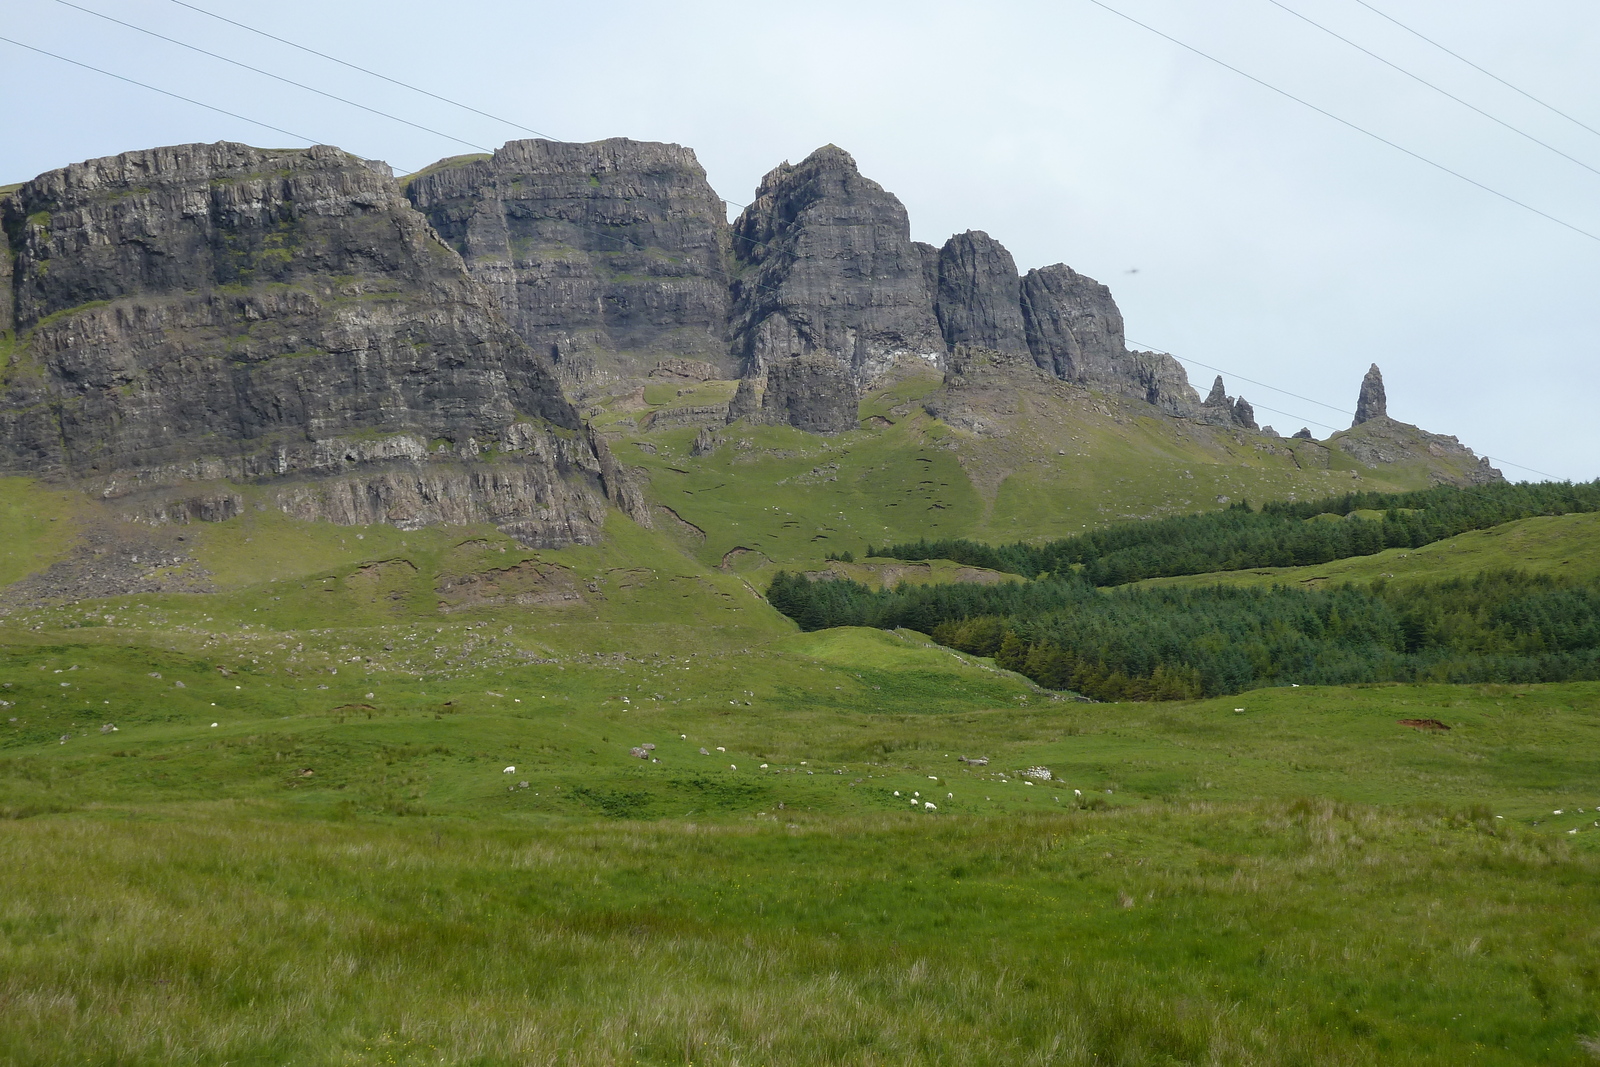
{"x": 509, "y": 770}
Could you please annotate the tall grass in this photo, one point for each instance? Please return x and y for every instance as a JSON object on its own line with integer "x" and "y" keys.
{"x": 1245, "y": 934}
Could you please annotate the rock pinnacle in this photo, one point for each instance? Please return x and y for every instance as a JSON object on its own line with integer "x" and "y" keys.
{"x": 1372, "y": 404}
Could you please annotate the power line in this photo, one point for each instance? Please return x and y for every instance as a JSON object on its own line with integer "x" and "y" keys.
{"x": 269, "y": 74}
{"x": 1252, "y": 381}
{"x": 1345, "y": 122}
{"x": 384, "y": 77}
{"x": 1476, "y": 67}
{"x": 714, "y": 270}
{"x": 364, "y": 70}
{"x": 164, "y": 92}
{"x": 1423, "y": 81}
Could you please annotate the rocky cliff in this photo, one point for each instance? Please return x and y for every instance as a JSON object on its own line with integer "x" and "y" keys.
{"x": 189, "y": 331}
{"x": 201, "y": 326}
{"x": 613, "y": 256}
{"x": 608, "y": 256}
{"x": 825, "y": 263}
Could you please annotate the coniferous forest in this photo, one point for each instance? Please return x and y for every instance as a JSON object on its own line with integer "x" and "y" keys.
{"x": 1278, "y": 535}
{"x": 1065, "y": 632}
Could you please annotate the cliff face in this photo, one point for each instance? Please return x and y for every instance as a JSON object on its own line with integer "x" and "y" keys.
{"x": 206, "y": 324}
{"x": 607, "y": 256}
{"x": 189, "y": 331}
{"x": 978, "y": 294}
{"x": 826, "y": 264}
{"x": 612, "y": 256}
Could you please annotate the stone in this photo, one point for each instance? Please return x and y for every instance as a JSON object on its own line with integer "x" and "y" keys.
{"x": 705, "y": 442}
{"x": 978, "y": 294}
{"x": 813, "y": 392}
{"x": 747, "y": 397}
{"x": 1384, "y": 442}
{"x": 693, "y": 370}
{"x": 201, "y": 315}
{"x": 1074, "y": 328}
{"x": 1218, "y": 397}
{"x": 827, "y": 265}
{"x": 1371, "y": 404}
{"x": 609, "y": 256}
{"x": 1303, "y": 434}
{"x": 1244, "y": 415}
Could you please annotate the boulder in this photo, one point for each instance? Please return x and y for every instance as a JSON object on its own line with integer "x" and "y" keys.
{"x": 813, "y": 392}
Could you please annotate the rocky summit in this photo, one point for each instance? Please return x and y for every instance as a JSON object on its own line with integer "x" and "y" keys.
{"x": 189, "y": 332}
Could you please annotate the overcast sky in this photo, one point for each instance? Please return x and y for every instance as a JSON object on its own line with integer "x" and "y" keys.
{"x": 1236, "y": 228}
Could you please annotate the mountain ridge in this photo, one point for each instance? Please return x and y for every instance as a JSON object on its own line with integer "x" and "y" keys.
{"x": 198, "y": 329}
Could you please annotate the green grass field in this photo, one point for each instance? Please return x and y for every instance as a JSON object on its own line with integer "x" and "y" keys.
{"x": 1304, "y": 880}
{"x": 374, "y": 800}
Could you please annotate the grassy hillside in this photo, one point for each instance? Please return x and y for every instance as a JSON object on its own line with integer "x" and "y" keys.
{"x": 1566, "y": 546}
{"x": 1042, "y": 464}
{"x": 299, "y": 793}
{"x": 186, "y": 892}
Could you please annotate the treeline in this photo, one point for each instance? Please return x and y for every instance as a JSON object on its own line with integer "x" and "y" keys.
{"x": 1180, "y": 643}
{"x": 1281, "y": 534}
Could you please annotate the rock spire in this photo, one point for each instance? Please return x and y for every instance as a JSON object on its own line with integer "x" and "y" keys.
{"x": 1372, "y": 404}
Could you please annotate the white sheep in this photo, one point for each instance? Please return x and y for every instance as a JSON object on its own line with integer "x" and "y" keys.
{"x": 928, "y": 805}
{"x": 509, "y": 770}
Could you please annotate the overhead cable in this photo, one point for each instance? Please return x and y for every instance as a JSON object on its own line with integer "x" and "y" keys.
{"x": 364, "y": 70}
{"x": 1476, "y": 67}
{"x": 1346, "y": 122}
{"x": 1423, "y": 81}
{"x": 275, "y": 77}
{"x": 165, "y": 92}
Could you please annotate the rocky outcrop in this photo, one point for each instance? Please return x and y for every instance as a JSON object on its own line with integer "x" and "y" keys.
{"x": 204, "y": 326}
{"x": 1218, "y": 397}
{"x": 977, "y": 297}
{"x": 827, "y": 265}
{"x": 1220, "y": 409}
{"x": 608, "y": 256}
{"x": 1371, "y": 404}
{"x": 1073, "y": 325}
{"x": 694, "y": 370}
{"x": 1386, "y": 442}
{"x": 812, "y": 392}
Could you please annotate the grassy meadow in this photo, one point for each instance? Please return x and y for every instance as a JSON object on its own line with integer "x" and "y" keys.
{"x": 374, "y": 797}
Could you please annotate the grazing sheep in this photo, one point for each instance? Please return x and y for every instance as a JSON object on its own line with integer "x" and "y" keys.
{"x": 929, "y": 806}
{"x": 509, "y": 770}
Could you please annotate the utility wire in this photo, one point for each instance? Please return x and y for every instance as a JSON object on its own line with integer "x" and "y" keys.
{"x": 1423, "y": 81}
{"x": 364, "y": 70}
{"x": 164, "y": 92}
{"x": 275, "y": 77}
{"x": 1345, "y": 122}
{"x": 1242, "y": 378}
{"x": 714, "y": 270}
{"x": 1476, "y": 67}
{"x": 384, "y": 77}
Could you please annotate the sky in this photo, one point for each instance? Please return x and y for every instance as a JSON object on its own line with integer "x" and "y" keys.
{"x": 1238, "y": 229}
